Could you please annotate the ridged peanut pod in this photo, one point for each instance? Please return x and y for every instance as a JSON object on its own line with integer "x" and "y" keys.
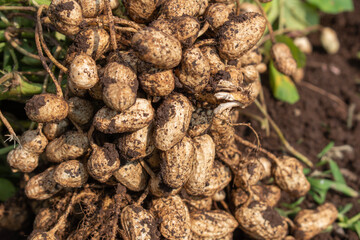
{"x": 157, "y": 82}
{"x": 203, "y": 165}
{"x": 250, "y": 73}
{"x": 54, "y": 130}
{"x": 33, "y": 141}
{"x": 213, "y": 58}
{"x": 176, "y": 163}
{"x": 217, "y": 14}
{"x": 71, "y": 145}
{"x": 75, "y": 91}
{"x": 178, "y": 8}
{"x": 261, "y": 221}
{"x": 200, "y": 121}
{"x": 134, "y": 118}
{"x": 219, "y": 179}
{"x": 174, "y": 215}
{"x": 120, "y": 86}
{"x": 81, "y": 111}
{"x": 22, "y": 160}
{"x": 269, "y": 194}
{"x": 240, "y": 34}
{"x": 196, "y": 203}
{"x": 249, "y": 173}
{"x": 42, "y": 186}
{"x": 309, "y": 223}
{"x": 139, "y": 223}
{"x": 156, "y": 47}
{"x": 230, "y": 80}
{"x": 186, "y": 30}
{"x": 103, "y": 162}
{"x": 289, "y": 176}
{"x": 221, "y": 130}
{"x": 83, "y": 72}
{"x": 132, "y": 175}
{"x": 71, "y": 174}
{"x": 172, "y": 121}
{"x": 46, "y": 107}
{"x": 91, "y": 8}
{"x": 42, "y": 236}
{"x": 252, "y": 57}
{"x": 212, "y": 224}
{"x": 46, "y": 218}
{"x": 195, "y": 70}
{"x": 141, "y": 11}
{"x": 227, "y": 237}
{"x": 136, "y": 145}
{"x": 283, "y": 59}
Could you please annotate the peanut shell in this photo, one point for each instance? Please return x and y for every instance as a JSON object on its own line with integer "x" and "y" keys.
{"x": 215, "y": 62}
{"x": 45, "y": 219}
{"x": 71, "y": 174}
{"x": 33, "y": 141}
{"x": 91, "y": 8}
{"x": 219, "y": 179}
{"x": 141, "y": 11}
{"x": 249, "y": 173}
{"x": 283, "y": 59}
{"x": 22, "y": 160}
{"x": 132, "y": 176}
{"x": 83, "y": 72}
{"x": 81, "y": 111}
{"x": 54, "y": 130}
{"x": 157, "y": 82}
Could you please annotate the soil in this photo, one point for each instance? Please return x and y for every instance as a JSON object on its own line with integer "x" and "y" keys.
{"x": 310, "y": 124}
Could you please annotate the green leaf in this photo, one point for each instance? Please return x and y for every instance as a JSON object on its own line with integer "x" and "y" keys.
{"x": 294, "y": 204}
{"x": 296, "y": 14}
{"x": 325, "y": 150}
{"x": 297, "y": 54}
{"x": 7, "y": 189}
{"x": 333, "y": 6}
{"x": 282, "y": 87}
{"x": 335, "y": 170}
{"x": 40, "y": 2}
{"x": 357, "y": 228}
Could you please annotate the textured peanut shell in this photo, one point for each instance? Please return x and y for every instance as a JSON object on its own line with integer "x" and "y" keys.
{"x": 33, "y": 141}
{"x": 83, "y": 72}
{"x": 74, "y": 91}
{"x": 54, "y": 130}
{"x": 46, "y": 107}
{"x": 157, "y": 82}
{"x": 200, "y": 121}
{"x": 156, "y": 47}
{"x": 81, "y": 111}
{"x": 289, "y": 176}
{"x": 212, "y": 224}
{"x": 213, "y": 58}
{"x": 176, "y": 163}
{"x": 196, "y": 203}
{"x": 249, "y": 173}
{"x": 136, "y": 145}
{"x": 120, "y": 86}
{"x": 249, "y": 7}
{"x": 269, "y": 194}
{"x": 178, "y": 8}
{"x": 103, "y": 162}
{"x": 186, "y": 29}
{"x": 267, "y": 167}
{"x": 91, "y": 8}
{"x": 46, "y": 218}
{"x": 71, "y": 145}
{"x": 250, "y": 73}
{"x": 240, "y": 34}
{"x": 134, "y": 118}
{"x": 71, "y": 174}
{"x": 159, "y": 189}
{"x": 22, "y": 160}
{"x": 139, "y": 223}
{"x": 42, "y": 236}
{"x": 174, "y": 215}
{"x": 203, "y": 165}
{"x": 195, "y": 70}
{"x": 65, "y": 11}
{"x": 92, "y": 41}
{"x": 252, "y": 57}
{"x": 230, "y": 79}
{"x": 96, "y": 91}
{"x": 164, "y": 25}
{"x": 172, "y": 121}
{"x": 132, "y": 176}
{"x": 283, "y": 59}
{"x": 141, "y": 11}
{"x": 219, "y": 179}
{"x": 221, "y": 130}
{"x": 260, "y": 221}
{"x": 217, "y": 14}
{"x": 197, "y": 237}
{"x": 42, "y": 186}
{"x": 309, "y": 223}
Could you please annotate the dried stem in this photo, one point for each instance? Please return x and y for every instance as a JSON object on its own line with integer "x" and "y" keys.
{"x": 42, "y": 58}
{"x": 203, "y": 29}
{"x": 14, "y": 43}
{"x": 266, "y": 121}
{"x": 251, "y": 128}
{"x": 126, "y": 29}
{"x": 12, "y": 135}
{"x": 147, "y": 168}
{"x": 271, "y": 31}
{"x": 46, "y": 80}
{"x": 19, "y": 8}
{"x": 143, "y": 196}
{"x": 210, "y": 41}
{"x": 78, "y": 128}
{"x": 120, "y": 193}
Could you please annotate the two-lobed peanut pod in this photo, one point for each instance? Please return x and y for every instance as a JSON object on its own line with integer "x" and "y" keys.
{"x": 46, "y": 107}
{"x": 178, "y": 8}
{"x": 91, "y": 8}
{"x": 45, "y": 219}
{"x": 269, "y": 194}
{"x": 212, "y": 56}
{"x": 283, "y": 59}
{"x": 172, "y": 121}
{"x": 215, "y": 224}
{"x": 217, "y": 14}
{"x": 22, "y": 160}
{"x": 174, "y": 215}
{"x": 139, "y": 223}
{"x": 249, "y": 173}
{"x": 71, "y": 174}
{"x": 134, "y": 118}
{"x": 200, "y": 121}
{"x": 203, "y": 165}
{"x": 33, "y": 141}
{"x": 141, "y": 11}
{"x": 71, "y": 145}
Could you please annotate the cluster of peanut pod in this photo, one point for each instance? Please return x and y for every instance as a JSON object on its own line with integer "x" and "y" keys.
{"x": 147, "y": 111}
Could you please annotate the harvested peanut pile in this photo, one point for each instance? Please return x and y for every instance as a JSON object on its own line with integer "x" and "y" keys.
{"x": 140, "y": 144}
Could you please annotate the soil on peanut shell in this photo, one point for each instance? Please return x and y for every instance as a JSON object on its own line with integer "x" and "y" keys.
{"x": 316, "y": 120}
{"x": 310, "y": 124}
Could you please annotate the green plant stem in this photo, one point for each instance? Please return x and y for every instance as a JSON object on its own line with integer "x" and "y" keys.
{"x": 283, "y": 140}
{"x": 266, "y": 121}
{"x": 19, "y": 8}
{"x": 14, "y": 58}
{"x": 5, "y": 150}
